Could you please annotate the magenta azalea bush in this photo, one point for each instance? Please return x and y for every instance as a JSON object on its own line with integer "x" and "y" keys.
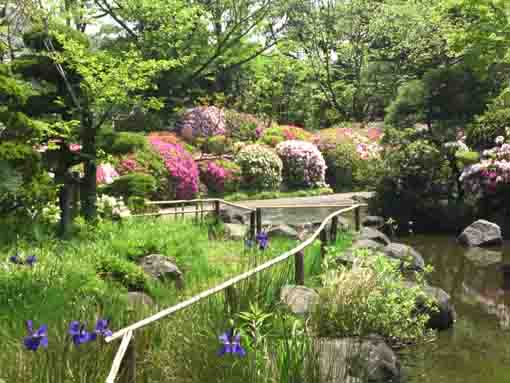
{"x": 203, "y": 121}
{"x": 221, "y": 176}
{"x": 303, "y": 164}
{"x": 491, "y": 172}
{"x": 261, "y": 168}
{"x": 181, "y": 166}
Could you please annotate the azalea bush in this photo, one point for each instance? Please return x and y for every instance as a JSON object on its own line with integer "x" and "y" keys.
{"x": 182, "y": 168}
{"x": 202, "y": 121}
{"x": 243, "y": 126}
{"x": 261, "y": 168}
{"x": 221, "y": 176}
{"x": 303, "y": 164}
{"x": 276, "y": 134}
{"x": 106, "y": 174}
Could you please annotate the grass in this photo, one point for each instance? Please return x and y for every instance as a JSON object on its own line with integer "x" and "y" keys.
{"x": 247, "y": 195}
{"x": 87, "y": 278}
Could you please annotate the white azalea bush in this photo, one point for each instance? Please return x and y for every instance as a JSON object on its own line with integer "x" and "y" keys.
{"x": 303, "y": 164}
{"x": 109, "y": 207}
{"x": 261, "y": 168}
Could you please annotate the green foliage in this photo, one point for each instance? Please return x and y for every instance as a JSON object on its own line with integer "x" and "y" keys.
{"x": 217, "y": 145}
{"x": 241, "y": 126}
{"x": 36, "y": 37}
{"x": 134, "y": 184}
{"x": 371, "y": 298}
{"x": 126, "y": 142}
{"x": 408, "y": 108}
{"x": 466, "y": 158}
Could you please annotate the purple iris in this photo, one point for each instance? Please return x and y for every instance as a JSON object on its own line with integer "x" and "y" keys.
{"x": 231, "y": 344}
{"x": 29, "y": 261}
{"x": 36, "y": 339}
{"x": 79, "y": 334}
{"x": 102, "y": 328}
{"x": 262, "y": 240}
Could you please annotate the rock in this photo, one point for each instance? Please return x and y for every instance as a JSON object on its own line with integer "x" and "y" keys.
{"x": 163, "y": 268}
{"x": 367, "y": 244}
{"x": 444, "y": 314}
{"x": 299, "y": 299}
{"x": 374, "y": 235}
{"x": 137, "y": 298}
{"x": 235, "y": 231}
{"x": 356, "y": 360}
{"x": 481, "y": 233}
{"x": 373, "y": 221}
{"x": 405, "y": 253}
{"x": 283, "y": 231}
{"x": 483, "y": 257}
{"x": 229, "y": 215}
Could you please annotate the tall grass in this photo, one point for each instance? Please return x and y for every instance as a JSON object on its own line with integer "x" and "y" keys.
{"x": 87, "y": 278}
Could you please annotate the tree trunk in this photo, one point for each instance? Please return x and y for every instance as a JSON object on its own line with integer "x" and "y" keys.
{"x": 89, "y": 186}
{"x": 65, "y": 196}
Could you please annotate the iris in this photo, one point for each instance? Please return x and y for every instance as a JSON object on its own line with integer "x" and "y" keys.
{"x": 262, "y": 240}
{"x": 102, "y": 328}
{"x": 29, "y": 261}
{"x": 79, "y": 334}
{"x": 231, "y": 344}
{"x": 36, "y": 339}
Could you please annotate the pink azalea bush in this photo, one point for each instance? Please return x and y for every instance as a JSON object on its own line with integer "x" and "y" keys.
{"x": 221, "y": 176}
{"x": 491, "y": 172}
{"x": 106, "y": 174}
{"x": 129, "y": 165}
{"x": 261, "y": 168}
{"x": 303, "y": 164}
{"x": 181, "y": 166}
{"x": 203, "y": 121}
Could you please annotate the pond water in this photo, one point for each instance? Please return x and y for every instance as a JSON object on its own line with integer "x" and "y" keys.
{"x": 477, "y": 349}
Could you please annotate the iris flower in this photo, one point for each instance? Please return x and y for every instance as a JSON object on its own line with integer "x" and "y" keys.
{"x": 29, "y": 261}
{"x": 262, "y": 240}
{"x": 231, "y": 344}
{"x": 79, "y": 334}
{"x": 36, "y": 339}
{"x": 102, "y": 328}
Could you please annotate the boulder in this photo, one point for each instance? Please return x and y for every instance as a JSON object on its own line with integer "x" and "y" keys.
{"x": 299, "y": 299}
{"x": 235, "y": 231}
{"x": 481, "y": 233}
{"x": 374, "y": 235}
{"x": 405, "y": 253}
{"x": 373, "y": 221}
{"x": 367, "y": 244}
{"x": 163, "y": 268}
{"x": 356, "y": 360}
{"x": 229, "y": 215}
{"x": 137, "y": 298}
{"x": 283, "y": 231}
{"x": 483, "y": 257}
{"x": 443, "y": 314}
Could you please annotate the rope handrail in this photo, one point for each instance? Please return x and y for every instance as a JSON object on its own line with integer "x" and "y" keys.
{"x": 232, "y": 281}
{"x": 191, "y": 201}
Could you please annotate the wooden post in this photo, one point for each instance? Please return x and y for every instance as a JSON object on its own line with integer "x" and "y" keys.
{"x": 357, "y": 218}
{"x": 334, "y": 229}
{"x": 253, "y": 223}
{"x": 259, "y": 220}
{"x": 324, "y": 242}
{"x": 128, "y": 366}
{"x": 299, "y": 262}
{"x": 217, "y": 210}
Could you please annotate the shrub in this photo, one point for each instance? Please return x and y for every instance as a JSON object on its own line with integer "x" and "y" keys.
{"x": 279, "y": 133}
{"x": 168, "y": 137}
{"x": 181, "y": 166}
{"x": 106, "y": 174}
{"x": 203, "y": 121}
{"x": 243, "y": 126}
{"x": 408, "y": 107}
{"x": 482, "y": 133}
{"x": 372, "y": 298}
{"x": 221, "y": 176}
{"x": 120, "y": 143}
{"x": 303, "y": 164}
{"x": 134, "y": 184}
{"x": 342, "y": 162}
{"x": 217, "y": 145}
{"x": 261, "y": 168}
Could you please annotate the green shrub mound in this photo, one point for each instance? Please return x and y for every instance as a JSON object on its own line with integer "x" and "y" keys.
{"x": 261, "y": 168}
{"x": 132, "y": 185}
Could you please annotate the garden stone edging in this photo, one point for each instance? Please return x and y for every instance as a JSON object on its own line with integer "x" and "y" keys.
{"x": 481, "y": 233}
{"x": 404, "y": 252}
{"x": 356, "y": 360}
{"x": 299, "y": 299}
{"x": 283, "y": 230}
{"x": 374, "y": 221}
{"x": 374, "y": 235}
{"x": 163, "y": 268}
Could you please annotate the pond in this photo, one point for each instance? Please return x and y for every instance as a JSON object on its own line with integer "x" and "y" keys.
{"x": 477, "y": 349}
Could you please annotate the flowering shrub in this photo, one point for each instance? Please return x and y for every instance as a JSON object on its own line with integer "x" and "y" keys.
{"x": 279, "y": 133}
{"x": 243, "y": 126}
{"x": 492, "y": 172}
{"x": 110, "y": 207}
{"x": 303, "y": 164}
{"x": 168, "y": 137}
{"x": 181, "y": 166}
{"x": 221, "y": 176}
{"x": 366, "y": 141}
{"x": 203, "y": 121}
{"x": 261, "y": 168}
{"x": 106, "y": 174}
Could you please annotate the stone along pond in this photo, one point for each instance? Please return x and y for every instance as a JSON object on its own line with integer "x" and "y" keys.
{"x": 477, "y": 348}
